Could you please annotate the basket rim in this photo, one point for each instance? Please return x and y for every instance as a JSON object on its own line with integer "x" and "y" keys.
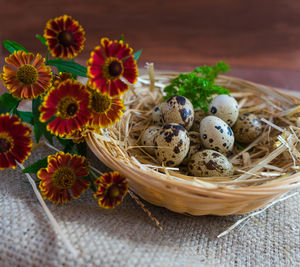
{"x": 290, "y": 182}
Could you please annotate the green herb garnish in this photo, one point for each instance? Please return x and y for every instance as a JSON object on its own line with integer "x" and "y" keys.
{"x": 199, "y": 85}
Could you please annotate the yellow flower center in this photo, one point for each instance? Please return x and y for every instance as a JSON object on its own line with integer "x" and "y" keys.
{"x": 64, "y": 178}
{"x": 113, "y": 191}
{"x": 112, "y": 68}
{"x": 65, "y": 38}
{"x": 27, "y": 74}
{"x": 100, "y": 103}
{"x": 6, "y": 143}
{"x": 67, "y": 108}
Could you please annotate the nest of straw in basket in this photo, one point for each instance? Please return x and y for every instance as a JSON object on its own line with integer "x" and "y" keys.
{"x": 264, "y": 170}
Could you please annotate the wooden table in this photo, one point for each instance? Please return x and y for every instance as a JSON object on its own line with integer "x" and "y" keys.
{"x": 259, "y": 39}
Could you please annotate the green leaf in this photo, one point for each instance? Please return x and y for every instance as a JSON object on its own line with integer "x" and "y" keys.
{"x": 36, "y": 120}
{"x": 210, "y": 73}
{"x": 8, "y": 103}
{"x": 12, "y": 46}
{"x": 199, "y": 89}
{"x": 121, "y": 37}
{"x": 35, "y": 167}
{"x": 93, "y": 187}
{"x": 137, "y": 54}
{"x": 37, "y": 132}
{"x": 67, "y": 144}
{"x": 81, "y": 148}
{"x": 69, "y": 66}
{"x": 40, "y": 128}
{"x": 47, "y": 134}
{"x": 42, "y": 39}
{"x": 25, "y": 116}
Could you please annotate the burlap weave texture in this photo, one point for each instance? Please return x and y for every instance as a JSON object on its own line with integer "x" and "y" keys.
{"x": 125, "y": 236}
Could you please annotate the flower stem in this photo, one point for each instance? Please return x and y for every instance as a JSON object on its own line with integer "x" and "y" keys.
{"x": 93, "y": 173}
{"x": 47, "y": 56}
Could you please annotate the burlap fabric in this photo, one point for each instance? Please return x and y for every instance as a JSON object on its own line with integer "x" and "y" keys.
{"x": 125, "y": 236}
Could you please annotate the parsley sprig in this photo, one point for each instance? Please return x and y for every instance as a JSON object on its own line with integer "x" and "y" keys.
{"x": 199, "y": 85}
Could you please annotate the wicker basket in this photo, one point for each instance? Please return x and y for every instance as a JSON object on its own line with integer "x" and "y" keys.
{"x": 118, "y": 148}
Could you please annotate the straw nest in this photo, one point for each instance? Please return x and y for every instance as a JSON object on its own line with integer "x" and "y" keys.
{"x": 264, "y": 170}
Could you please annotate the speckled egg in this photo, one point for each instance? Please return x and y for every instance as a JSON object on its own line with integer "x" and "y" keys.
{"x": 172, "y": 144}
{"x": 199, "y": 115}
{"x": 224, "y": 107}
{"x": 209, "y": 163}
{"x": 247, "y": 128}
{"x": 157, "y": 117}
{"x": 178, "y": 109}
{"x": 195, "y": 145}
{"x": 216, "y": 134}
{"x": 147, "y": 139}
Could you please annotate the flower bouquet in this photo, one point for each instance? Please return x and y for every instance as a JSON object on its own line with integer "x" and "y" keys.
{"x": 65, "y": 109}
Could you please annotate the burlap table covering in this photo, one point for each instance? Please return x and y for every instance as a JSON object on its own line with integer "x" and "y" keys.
{"x": 125, "y": 236}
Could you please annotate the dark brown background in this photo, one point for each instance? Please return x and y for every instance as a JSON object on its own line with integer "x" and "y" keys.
{"x": 260, "y": 39}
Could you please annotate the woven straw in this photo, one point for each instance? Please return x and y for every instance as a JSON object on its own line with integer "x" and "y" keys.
{"x": 118, "y": 149}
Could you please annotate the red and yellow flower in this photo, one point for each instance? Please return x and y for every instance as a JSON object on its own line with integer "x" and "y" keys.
{"x": 63, "y": 176}
{"x": 112, "y": 188}
{"x": 110, "y": 64}
{"x": 64, "y": 37}
{"x": 15, "y": 141}
{"x": 105, "y": 111}
{"x": 67, "y": 108}
{"x": 27, "y": 76}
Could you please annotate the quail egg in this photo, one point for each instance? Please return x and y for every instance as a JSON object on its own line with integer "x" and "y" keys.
{"x": 216, "y": 134}
{"x": 147, "y": 139}
{"x": 198, "y": 116}
{"x": 224, "y": 107}
{"x": 195, "y": 145}
{"x": 178, "y": 109}
{"x": 247, "y": 128}
{"x": 172, "y": 144}
{"x": 157, "y": 114}
{"x": 209, "y": 163}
